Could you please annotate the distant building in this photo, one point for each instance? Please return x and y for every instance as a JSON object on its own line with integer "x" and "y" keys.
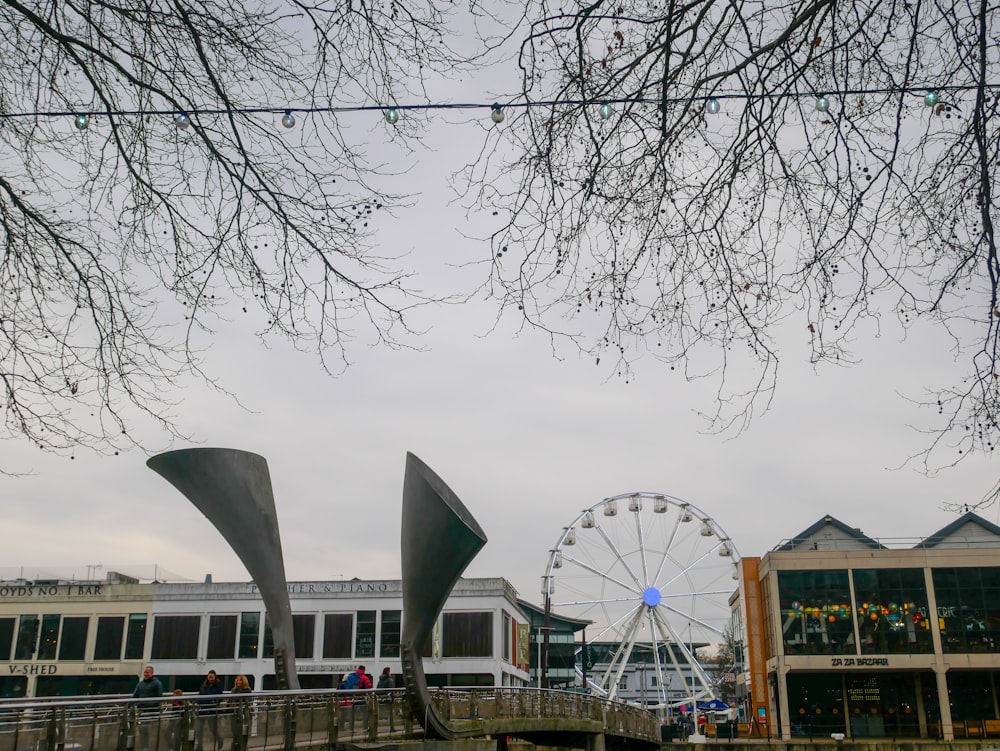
{"x": 61, "y": 637}
{"x": 845, "y": 634}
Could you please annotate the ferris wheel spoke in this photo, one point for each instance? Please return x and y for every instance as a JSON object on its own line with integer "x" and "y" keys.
{"x": 615, "y": 551}
{"x": 620, "y": 659}
{"x": 669, "y": 546}
{"x": 692, "y": 658}
{"x": 687, "y": 568}
{"x": 669, "y": 639}
{"x": 612, "y": 628}
{"x": 675, "y": 595}
{"x": 641, "y": 536}
{"x": 691, "y": 618}
{"x": 596, "y": 571}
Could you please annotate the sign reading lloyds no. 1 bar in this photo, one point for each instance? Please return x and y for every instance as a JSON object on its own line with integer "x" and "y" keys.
{"x": 859, "y": 662}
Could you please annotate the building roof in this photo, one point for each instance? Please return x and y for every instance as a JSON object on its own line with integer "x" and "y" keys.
{"x": 558, "y": 622}
{"x": 968, "y": 529}
{"x": 830, "y": 534}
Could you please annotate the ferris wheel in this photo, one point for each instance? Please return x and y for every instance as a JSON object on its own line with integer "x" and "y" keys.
{"x": 654, "y": 575}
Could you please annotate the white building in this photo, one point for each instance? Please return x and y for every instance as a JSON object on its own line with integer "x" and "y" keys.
{"x": 67, "y": 638}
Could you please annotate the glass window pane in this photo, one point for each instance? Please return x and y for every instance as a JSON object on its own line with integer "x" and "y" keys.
{"x": 389, "y": 640}
{"x": 221, "y": 637}
{"x": 337, "y": 629}
{"x": 892, "y": 611}
{"x": 268, "y": 650}
{"x": 135, "y": 642}
{"x": 304, "y": 632}
{"x": 968, "y": 611}
{"x": 175, "y": 637}
{"x": 6, "y": 638}
{"x": 110, "y": 630}
{"x": 49, "y": 637}
{"x": 364, "y": 642}
{"x": 816, "y": 612}
{"x": 249, "y": 635}
{"x": 467, "y": 635}
{"x": 73, "y": 642}
{"x": 27, "y": 637}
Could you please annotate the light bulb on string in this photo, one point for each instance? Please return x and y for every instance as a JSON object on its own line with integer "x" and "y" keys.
{"x": 605, "y": 111}
{"x": 288, "y": 119}
{"x": 931, "y": 98}
{"x": 391, "y": 116}
{"x": 712, "y": 106}
{"x": 182, "y": 120}
{"x": 822, "y": 104}
{"x": 496, "y": 113}
{"x": 81, "y": 121}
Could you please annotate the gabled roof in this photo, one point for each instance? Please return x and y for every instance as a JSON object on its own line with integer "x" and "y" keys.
{"x": 967, "y": 529}
{"x": 830, "y": 534}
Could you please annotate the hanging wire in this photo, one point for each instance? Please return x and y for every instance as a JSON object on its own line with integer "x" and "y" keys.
{"x": 922, "y": 91}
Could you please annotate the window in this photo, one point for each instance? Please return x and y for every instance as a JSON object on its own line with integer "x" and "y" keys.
{"x": 817, "y": 616}
{"x": 49, "y": 637}
{"x": 337, "y": 628}
{"x": 467, "y": 635}
{"x": 268, "y": 649}
{"x": 892, "y": 611}
{"x": 249, "y": 635}
{"x": 364, "y": 641}
{"x": 389, "y": 644}
{"x": 505, "y": 654}
{"x": 27, "y": 637}
{"x": 968, "y": 604}
{"x": 175, "y": 637}
{"x": 6, "y": 637}
{"x": 304, "y": 634}
{"x": 221, "y": 637}
{"x": 135, "y": 642}
{"x": 110, "y": 630}
{"x": 73, "y": 642}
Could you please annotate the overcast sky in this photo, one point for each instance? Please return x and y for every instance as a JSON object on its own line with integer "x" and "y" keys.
{"x": 526, "y": 439}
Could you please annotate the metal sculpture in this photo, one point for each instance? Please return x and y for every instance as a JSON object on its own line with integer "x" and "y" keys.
{"x": 439, "y": 539}
{"x": 233, "y": 490}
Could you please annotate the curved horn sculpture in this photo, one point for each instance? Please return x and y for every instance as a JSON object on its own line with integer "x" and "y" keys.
{"x": 439, "y": 539}
{"x": 233, "y": 489}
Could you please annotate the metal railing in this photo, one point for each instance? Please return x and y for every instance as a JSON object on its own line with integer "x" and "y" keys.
{"x": 292, "y": 719}
{"x": 273, "y": 720}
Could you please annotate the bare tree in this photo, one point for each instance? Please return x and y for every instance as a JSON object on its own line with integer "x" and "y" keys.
{"x": 721, "y": 665}
{"x": 151, "y": 175}
{"x": 693, "y": 176}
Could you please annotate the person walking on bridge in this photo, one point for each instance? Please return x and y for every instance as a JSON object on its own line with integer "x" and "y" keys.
{"x": 208, "y": 711}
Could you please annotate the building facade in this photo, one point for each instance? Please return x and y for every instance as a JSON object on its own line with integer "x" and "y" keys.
{"x": 846, "y": 635}
{"x": 75, "y": 638}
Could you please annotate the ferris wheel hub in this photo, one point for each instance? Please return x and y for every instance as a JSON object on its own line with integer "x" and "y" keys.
{"x": 651, "y": 597}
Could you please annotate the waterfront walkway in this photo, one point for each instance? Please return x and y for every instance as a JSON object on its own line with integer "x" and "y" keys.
{"x": 319, "y": 719}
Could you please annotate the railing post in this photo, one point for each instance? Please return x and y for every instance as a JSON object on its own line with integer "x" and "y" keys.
{"x": 189, "y": 716}
{"x": 332, "y": 722}
{"x": 126, "y": 735}
{"x": 289, "y": 740}
{"x": 372, "y": 704}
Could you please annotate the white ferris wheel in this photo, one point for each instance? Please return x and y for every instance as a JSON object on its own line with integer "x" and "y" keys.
{"x": 654, "y": 575}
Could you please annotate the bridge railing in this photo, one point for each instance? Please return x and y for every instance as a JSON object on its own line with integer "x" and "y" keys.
{"x": 273, "y": 720}
{"x": 493, "y": 703}
{"x": 283, "y": 719}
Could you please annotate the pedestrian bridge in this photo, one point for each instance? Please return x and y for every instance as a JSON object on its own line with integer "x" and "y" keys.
{"x": 325, "y": 719}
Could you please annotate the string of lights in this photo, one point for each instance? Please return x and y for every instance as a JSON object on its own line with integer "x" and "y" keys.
{"x": 932, "y": 96}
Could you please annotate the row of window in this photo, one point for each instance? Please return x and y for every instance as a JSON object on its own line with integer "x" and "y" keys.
{"x": 177, "y": 637}
{"x": 889, "y": 611}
